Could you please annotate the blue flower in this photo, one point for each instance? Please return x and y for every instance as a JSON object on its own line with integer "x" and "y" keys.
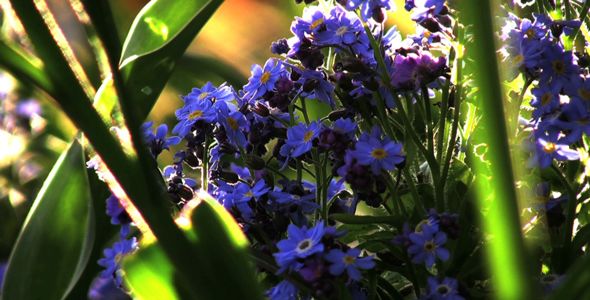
{"x": 311, "y": 21}
{"x": 342, "y": 29}
{"x": 300, "y": 139}
{"x": 315, "y": 86}
{"x": 242, "y": 194}
{"x": 112, "y": 258}
{"x": 285, "y": 290}
{"x": 116, "y": 211}
{"x": 549, "y": 148}
{"x": 350, "y": 262}
{"x": 559, "y": 67}
{"x": 263, "y": 79}
{"x": 546, "y": 100}
{"x": 158, "y": 142}
{"x": 446, "y": 289}
{"x": 369, "y": 8}
{"x": 235, "y": 124}
{"x": 427, "y": 246}
{"x": 378, "y": 154}
{"x": 301, "y": 243}
{"x": 345, "y": 126}
{"x": 210, "y": 92}
{"x": 191, "y": 112}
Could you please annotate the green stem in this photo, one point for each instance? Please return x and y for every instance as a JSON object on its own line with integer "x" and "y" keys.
{"x": 583, "y": 14}
{"x": 205, "y": 167}
{"x": 570, "y": 213}
{"x": 429, "y": 131}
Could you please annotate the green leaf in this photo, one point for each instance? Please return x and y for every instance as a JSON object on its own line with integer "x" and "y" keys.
{"x": 222, "y": 252}
{"x": 160, "y": 35}
{"x": 56, "y": 239}
{"x": 149, "y": 274}
{"x": 24, "y": 69}
{"x": 351, "y": 219}
{"x": 507, "y": 255}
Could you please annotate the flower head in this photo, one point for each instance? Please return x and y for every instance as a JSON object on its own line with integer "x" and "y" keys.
{"x": 350, "y": 262}
{"x": 445, "y": 289}
{"x": 378, "y": 154}
{"x": 191, "y": 112}
{"x": 112, "y": 258}
{"x": 158, "y": 142}
{"x": 300, "y": 139}
{"x": 371, "y": 8}
{"x": 301, "y": 243}
{"x": 263, "y": 79}
{"x": 285, "y": 290}
{"x": 427, "y": 246}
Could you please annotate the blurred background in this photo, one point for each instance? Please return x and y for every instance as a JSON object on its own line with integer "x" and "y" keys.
{"x": 33, "y": 131}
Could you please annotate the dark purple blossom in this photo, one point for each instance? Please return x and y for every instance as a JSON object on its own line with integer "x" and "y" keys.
{"x": 416, "y": 70}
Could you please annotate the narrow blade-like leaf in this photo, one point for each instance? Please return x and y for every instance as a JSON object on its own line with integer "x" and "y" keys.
{"x": 56, "y": 239}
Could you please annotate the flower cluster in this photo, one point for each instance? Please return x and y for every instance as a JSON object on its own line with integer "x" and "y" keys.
{"x": 125, "y": 245}
{"x": 316, "y": 256}
{"x": 427, "y": 242}
{"x": 560, "y": 96}
{"x": 281, "y": 172}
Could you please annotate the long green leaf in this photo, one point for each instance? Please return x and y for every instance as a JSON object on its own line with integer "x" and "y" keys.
{"x": 24, "y": 69}
{"x": 146, "y": 71}
{"x": 507, "y": 257}
{"x": 127, "y": 170}
{"x": 149, "y": 274}
{"x": 54, "y": 244}
{"x": 222, "y": 251}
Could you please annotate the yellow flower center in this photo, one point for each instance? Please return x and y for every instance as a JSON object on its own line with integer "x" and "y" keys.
{"x": 195, "y": 114}
{"x": 379, "y": 153}
{"x": 203, "y": 95}
{"x": 550, "y": 148}
{"x": 584, "y": 93}
{"x": 558, "y": 67}
{"x": 265, "y": 77}
{"x": 308, "y": 136}
{"x": 530, "y": 33}
{"x": 233, "y": 124}
{"x": 341, "y": 31}
{"x": 518, "y": 59}
{"x": 348, "y": 260}
{"x": 429, "y": 246}
{"x": 316, "y": 23}
{"x": 546, "y": 98}
{"x": 249, "y": 194}
{"x": 303, "y": 245}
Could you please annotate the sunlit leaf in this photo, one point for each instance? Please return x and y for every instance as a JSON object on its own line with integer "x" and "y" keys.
{"x": 149, "y": 274}
{"x": 160, "y": 35}
{"x": 506, "y": 256}
{"x": 56, "y": 239}
{"x": 222, "y": 250}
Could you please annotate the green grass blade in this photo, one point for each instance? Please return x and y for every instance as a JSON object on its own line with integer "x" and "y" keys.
{"x": 506, "y": 256}
{"x": 55, "y": 242}
{"x": 139, "y": 70}
{"x": 23, "y": 69}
